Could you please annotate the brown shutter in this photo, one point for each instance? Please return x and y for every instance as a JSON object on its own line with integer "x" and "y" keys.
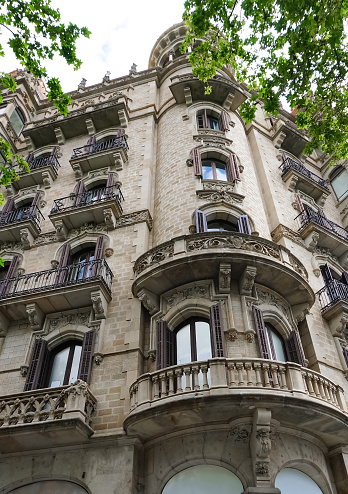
{"x": 197, "y": 162}
{"x": 243, "y": 224}
{"x": 232, "y": 169}
{"x": 326, "y": 273}
{"x": 265, "y": 351}
{"x": 85, "y": 366}
{"x": 80, "y": 189}
{"x": 216, "y": 331}
{"x": 165, "y": 346}
{"x": 120, "y": 133}
{"x": 98, "y": 253}
{"x": 35, "y": 200}
{"x": 201, "y": 221}
{"x": 223, "y": 121}
{"x": 283, "y": 155}
{"x": 110, "y": 180}
{"x": 205, "y": 120}
{"x": 345, "y": 355}
{"x": 299, "y": 203}
{"x": 294, "y": 348}
{"x": 91, "y": 144}
{"x": 64, "y": 261}
{"x": 39, "y": 357}
{"x": 9, "y": 274}
{"x": 29, "y": 158}
{"x": 200, "y": 122}
{"x": 8, "y": 206}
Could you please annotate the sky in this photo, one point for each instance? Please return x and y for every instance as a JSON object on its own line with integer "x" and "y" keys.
{"x": 123, "y": 33}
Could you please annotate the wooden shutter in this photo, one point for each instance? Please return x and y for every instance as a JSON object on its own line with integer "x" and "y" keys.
{"x": 216, "y": 331}
{"x": 91, "y": 144}
{"x": 65, "y": 260}
{"x": 345, "y": 277}
{"x": 37, "y": 366}
{"x": 165, "y": 346}
{"x": 345, "y": 355}
{"x": 232, "y": 169}
{"x": 283, "y": 155}
{"x": 294, "y": 348}
{"x": 29, "y": 158}
{"x": 299, "y": 203}
{"x": 197, "y": 162}
{"x": 200, "y": 122}
{"x": 80, "y": 189}
{"x": 110, "y": 180}
{"x": 86, "y": 359}
{"x": 243, "y": 224}
{"x": 265, "y": 351}
{"x": 9, "y": 274}
{"x": 8, "y": 206}
{"x": 98, "y": 253}
{"x": 205, "y": 120}
{"x": 120, "y": 133}
{"x": 326, "y": 273}
{"x": 201, "y": 221}
{"x": 224, "y": 121}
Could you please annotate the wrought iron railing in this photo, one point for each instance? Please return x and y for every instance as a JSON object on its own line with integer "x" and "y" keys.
{"x": 309, "y": 215}
{"x": 115, "y": 142}
{"x": 88, "y": 198}
{"x": 288, "y": 164}
{"x": 74, "y": 274}
{"x": 46, "y": 161}
{"x": 331, "y": 293}
{"x": 31, "y": 213}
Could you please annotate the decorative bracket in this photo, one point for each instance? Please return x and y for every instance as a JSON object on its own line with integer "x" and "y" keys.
{"x": 46, "y": 180}
{"x": 90, "y": 127}
{"x": 26, "y": 238}
{"x": 279, "y": 139}
{"x": 99, "y": 304}
{"x": 59, "y": 136}
{"x": 260, "y": 446}
{"x": 109, "y": 218}
{"x": 35, "y": 316}
{"x": 188, "y": 96}
{"x": 123, "y": 118}
{"x": 149, "y": 300}
{"x": 228, "y": 101}
{"x": 61, "y": 230}
{"x": 77, "y": 170}
{"x": 247, "y": 280}
{"x": 225, "y": 278}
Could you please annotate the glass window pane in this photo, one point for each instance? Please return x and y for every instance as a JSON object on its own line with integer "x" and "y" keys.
{"x": 214, "y": 124}
{"x": 75, "y": 364}
{"x": 220, "y": 171}
{"x": 203, "y": 341}
{"x": 207, "y": 172}
{"x": 204, "y": 479}
{"x": 16, "y": 122}
{"x": 278, "y": 347}
{"x": 340, "y": 184}
{"x": 183, "y": 345}
{"x": 58, "y": 368}
{"x": 291, "y": 480}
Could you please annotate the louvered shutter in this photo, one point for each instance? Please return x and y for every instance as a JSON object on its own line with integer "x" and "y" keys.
{"x": 65, "y": 260}
{"x": 8, "y": 206}
{"x": 91, "y": 144}
{"x": 10, "y": 274}
{"x": 165, "y": 346}
{"x": 98, "y": 253}
{"x": 29, "y": 158}
{"x": 205, "y": 120}
{"x": 299, "y": 203}
{"x": 109, "y": 185}
{"x": 120, "y": 133}
{"x": 197, "y": 162}
{"x": 37, "y": 366}
{"x": 232, "y": 169}
{"x": 283, "y": 155}
{"x": 223, "y": 121}
{"x": 200, "y": 122}
{"x": 345, "y": 277}
{"x": 345, "y": 355}
{"x": 86, "y": 359}
{"x": 243, "y": 224}
{"x": 216, "y": 331}
{"x": 80, "y": 191}
{"x": 53, "y": 155}
{"x": 265, "y": 351}
{"x": 201, "y": 221}
{"x": 326, "y": 273}
{"x": 34, "y": 204}
{"x": 294, "y": 349}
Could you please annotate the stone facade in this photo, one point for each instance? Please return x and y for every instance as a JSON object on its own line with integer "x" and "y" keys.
{"x": 144, "y": 415}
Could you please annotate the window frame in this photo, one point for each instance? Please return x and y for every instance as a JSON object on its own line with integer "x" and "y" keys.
{"x": 333, "y": 176}
{"x": 20, "y": 116}
{"x": 71, "y": 344}
{"x": 213, "y": 167}
{"x": 193, "y": 336}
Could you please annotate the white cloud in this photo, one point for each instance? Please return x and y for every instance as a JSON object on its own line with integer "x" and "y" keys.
{"x": 122, "y": 33}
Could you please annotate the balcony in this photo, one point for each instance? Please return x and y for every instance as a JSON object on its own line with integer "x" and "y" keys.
{"x": 98, "y": 206}
{"x": 316, "y": 229}
{"x": 46, "y": 418}
{"x": 297, "y": 176}
{"x": 197, "y": 257}
{"x": 42, "y": 171}
{"x": 333, "y": 299}
{"x": 223, "y": 389}
{"x": 21, "y": 225}
{"x": 54, "y": 290}
{"x": 112, "y": 152}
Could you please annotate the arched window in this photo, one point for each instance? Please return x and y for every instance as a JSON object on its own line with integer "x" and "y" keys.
{"x": 214, "y": 170}
{"x": 194, "y": 340}
{"x": 17, "y": 120}
{"x": 339, "y": 182}
{"x": 210, "y": 119}
{"x": 290, "y": 480}
{"x": 221, "y": 226}
{"x": 216, "y": 224}
{"x": 275, "y": 343}
{"x": 214, "y": 166}
{"x": 49, "y": 486}
{"x": 204, "y": 479}
{"x": 62, "y": 365}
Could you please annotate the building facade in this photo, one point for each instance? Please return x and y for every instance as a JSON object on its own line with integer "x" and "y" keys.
{"x": 174, "y": 300}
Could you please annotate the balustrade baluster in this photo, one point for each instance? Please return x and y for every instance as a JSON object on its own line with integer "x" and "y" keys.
{"x": 156, "y": 387}
{"x": 187, "y": 372}
{"x": 239, "y": 367}
{"x": 315, "y": 386}
{"x": 265, "y": 368}
{"x": 274, "y": 370}
{"x": 321, "y": 389}
{"x": 178, "y": 374}
{"x": 204, "y": 370}
{"x": 257, "y": 368}
{"x": 248, "y": 371}
{"x": 163, "y": 384}
{"x": 170, "y": 375}
{"x": 231, "y": 375}
{"x": 282, "y": 371}
{"x": 195, "y": 370}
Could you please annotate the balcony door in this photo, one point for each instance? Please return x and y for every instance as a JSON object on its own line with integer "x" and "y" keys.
{"x": 64, "y": 365}
{"x": 83, "y": 264}
{"x": 193, "y": 342}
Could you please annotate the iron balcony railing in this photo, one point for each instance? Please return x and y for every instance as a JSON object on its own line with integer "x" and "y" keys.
{"x": 115, "y": 142}
{"x": 41, "y": 281}
{"x": 331, "y": 293}
{"x": 309, "y": 215}
{"x": 88, "y": 198}
{"x": 288, "y": 164}
{"x": 41, "y": 162}
{"x": 28, "y": 213}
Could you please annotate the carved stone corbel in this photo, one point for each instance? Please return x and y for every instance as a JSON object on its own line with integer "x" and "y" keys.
{"x": 109, "y": 218}
{"x": 99, "y": 304}
{"x": 59, "y": 136}
{"x": 232, "y": 335}
{"x": 228, "y": 101}
{"x": 278, "y": 141}
{"x": 311, "y": 241}
{"x": 35, "y": 316}
{"x": 188, "y": 96}
{"x": 260, "y": 446}
{"x": 77, "y": 170}
{"x": 247, "y": 280}
{"x": 343, "y": 260}
{"x": 98, "y": 358}
{"x": 90, "y": 127}
{"x": 292, "y": 185}
{"x": 61, "y": 230}
{"x": 30, "y": 144}
{"x": 119, "y": 161}
{"x": 26, "y": 238}
{"x": 322, "y": 199}
{"x": 46, "y": 180}
{"x": 149, "y": 300}
{"x": 24, "y": 370}
{"x": 152, "y": 355}
{"x": 225, "y": 278}
{"x": 123, "y": 118}
{"x": 10, "y": 192}
{"x": 4, "y": 323}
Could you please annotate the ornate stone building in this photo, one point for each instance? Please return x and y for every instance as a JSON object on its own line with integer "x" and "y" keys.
{"x": 174, "y": 300}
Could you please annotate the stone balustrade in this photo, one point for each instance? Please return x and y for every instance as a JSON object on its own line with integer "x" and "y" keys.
{"x": 52, "y": 404}
{"x": 233, "y": 374}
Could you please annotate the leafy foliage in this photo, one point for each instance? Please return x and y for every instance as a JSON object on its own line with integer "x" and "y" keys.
{"x": 280, "y": 48}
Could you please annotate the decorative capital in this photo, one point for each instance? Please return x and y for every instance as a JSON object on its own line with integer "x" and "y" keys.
{"x": 224, "y": 278}
{"x": 24, "y": 370}
{"x": 232, "y": 335}
{"x": 98, "y": 358}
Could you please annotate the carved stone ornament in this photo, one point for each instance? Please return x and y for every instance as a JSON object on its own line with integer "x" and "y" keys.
{"x": 220, "y": 196}
{"x": 342, "y": 326}
{"x": 312, "y": 240}
{"x": 66, "y": 318}
{"x": 247, "y": 280}
{"x": 77, "y": 171}
{"x": 35, "y": 316}
{"x": 261, "y": 468}
{"x": 46, "y": 180}
{"x": 109, "y": 218}
{"x": 154, "y": 256}
{"x": 98, "y": 358}
{"x": 241, "y": 434}
{"x": 61, "y": 230}
{"x": 190, "y": 292}
{"x": 232, "y": 335}
{"x": 250, "y": 337}
{"x": 99, "y": 304}
{"x": 26, "y": 238}
{"x": 149, "y": 300}
{"x": 224, "y": 278}
{"x": 269, "y": 298}
{"x": 24, "y": 370}
{"x": 279, "y": 139}
{"x": 152, "y": 355}
{"x": 283, "y": 231}
{"x": 108, "y": 252}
